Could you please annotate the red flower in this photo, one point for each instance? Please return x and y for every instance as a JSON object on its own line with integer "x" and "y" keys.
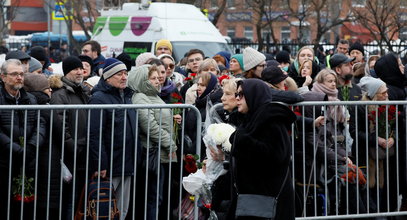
{"x": 190, "y": 163}
{"x": 193, "y": 74}
{"x": 187, "y": 79}
{"x": 221, "y": 78}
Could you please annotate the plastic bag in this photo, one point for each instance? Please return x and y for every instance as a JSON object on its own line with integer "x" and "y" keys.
{"x": 193, "y": 182}
{"x": 66, "y": 174}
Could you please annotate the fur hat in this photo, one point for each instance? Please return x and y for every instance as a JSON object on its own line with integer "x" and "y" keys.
{"x": 357, "y": 46}
{"x": 163, "y": 42}
{"x": 144, "y": 58}
{"x": 35, "y": 82}
{"x": 370, "y": 85}
{"x": 70, "y": 63}
{"x": 252, "y": 58}
{"x": 112, "y": 66}
{"x": 34, "y": 64}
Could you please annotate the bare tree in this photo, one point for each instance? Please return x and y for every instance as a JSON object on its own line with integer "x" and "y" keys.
{"x": 300, "y": 11}
{"x": 7, "y": 15}
{"x": 219, "y": 11}
{"x": 382, "y": 19}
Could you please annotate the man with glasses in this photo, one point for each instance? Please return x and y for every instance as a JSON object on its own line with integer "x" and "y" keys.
{"x": 23, "y": 127}
{"x": 93, "y": 50}
{"x": 194, "y": 59}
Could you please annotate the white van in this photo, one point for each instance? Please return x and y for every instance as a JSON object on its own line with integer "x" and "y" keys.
{"x": 135, "y": 29}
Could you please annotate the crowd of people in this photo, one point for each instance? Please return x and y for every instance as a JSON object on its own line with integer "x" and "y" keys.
{"x": 337, "y": 145}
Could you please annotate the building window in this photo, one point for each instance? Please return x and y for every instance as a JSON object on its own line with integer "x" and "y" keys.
{"x": 230, "y": 4}
{"x": 265, "y": 33}
{"x": 231, "y": 32}
{"x": 358, "y": 3}
{"x": 248, "y": 33}
{"x": 214, "y": 4}
{"x": 285, "y": 34}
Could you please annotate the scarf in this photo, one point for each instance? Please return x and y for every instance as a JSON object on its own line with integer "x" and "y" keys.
{"x": 167, "y": 88}
{"x": 333, "y": 97}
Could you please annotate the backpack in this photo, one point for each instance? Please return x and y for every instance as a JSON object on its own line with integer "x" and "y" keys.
{"x": 105, "y": 190}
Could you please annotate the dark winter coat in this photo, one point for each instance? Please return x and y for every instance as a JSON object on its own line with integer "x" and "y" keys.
{"x": 30, "y": 133}
{"x": 261, "y": 149}
{"x": 98, "y": 64}
{"x": 104, "y": 93}
{"x": 71, "y": 94}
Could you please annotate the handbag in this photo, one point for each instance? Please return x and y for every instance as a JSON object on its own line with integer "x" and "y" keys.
{"x": 255, "y": 205}
{"x": 153, "y": 154}
{"x": 258, "y": 205}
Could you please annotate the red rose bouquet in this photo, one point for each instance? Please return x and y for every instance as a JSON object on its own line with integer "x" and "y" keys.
{"x": 383, "y": 119}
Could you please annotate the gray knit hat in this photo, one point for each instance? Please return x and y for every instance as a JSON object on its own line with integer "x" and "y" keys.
{"x": 35, "y": 82}
{"x": 34, "y": 65}
{"x": 144, "y": 58}
{"x": 112, "y": 66}
{"x": 370, "y": 85}
{"x": 252, "y": 58}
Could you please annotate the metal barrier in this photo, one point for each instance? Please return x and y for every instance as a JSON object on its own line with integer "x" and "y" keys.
{"x": 46, "y": 162}
{"x": 325, "y": 188}
{"x": 326, "y": 185}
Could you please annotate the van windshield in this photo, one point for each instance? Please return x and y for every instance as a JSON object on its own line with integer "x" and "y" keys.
{"x": 209, "y": 48}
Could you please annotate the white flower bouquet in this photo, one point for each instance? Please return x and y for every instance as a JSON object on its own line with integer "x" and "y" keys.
{"x": 220, "y": 133}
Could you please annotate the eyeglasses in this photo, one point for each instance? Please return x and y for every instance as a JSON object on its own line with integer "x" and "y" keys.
{"x": 171, "y": 66}
{"x": 239, "y": 95}
{"x": 15, "y": 74}
{"x": 262, "y": 65}
{"x": 197, "y": 59}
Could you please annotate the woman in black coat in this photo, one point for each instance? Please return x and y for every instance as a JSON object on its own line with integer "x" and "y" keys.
{"x": 261, "y": 148}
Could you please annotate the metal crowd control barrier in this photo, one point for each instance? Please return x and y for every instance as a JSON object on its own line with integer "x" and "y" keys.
{"x": 326, "y": 186}
{"x": 43, "y": 189}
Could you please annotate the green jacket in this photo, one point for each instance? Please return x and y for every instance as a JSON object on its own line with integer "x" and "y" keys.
{"x": 151, "y": 119}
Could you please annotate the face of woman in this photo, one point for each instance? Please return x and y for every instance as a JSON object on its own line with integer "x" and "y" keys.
{"x": 306, "y": 71}
{"x": 169, "y": 65}
{"x": 241, "y": 102}
{"x": 305, "y": 54}
{"x": 382, "y": 94}
{"x": 154, "y": 79}
{"x": 228, "y": 99}
{"x": 161, "y": 74}
{"x": 259, "y": 69}
{"x": 330, "y": 81}
{"x": 201, "y": 87}
{"x": 210, "y": 69}
{"x": 234, "y": 65}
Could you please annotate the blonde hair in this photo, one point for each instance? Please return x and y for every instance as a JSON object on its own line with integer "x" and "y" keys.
{"x": 209, "y": 62}
{"x": 323, "y": 74}
{"x": 206, "y": 77}
{"x": 303, "y": 48}
{"x": 231, "y": 83}
{"x": 291, "y": 84}
{"x": 152, "y": 69}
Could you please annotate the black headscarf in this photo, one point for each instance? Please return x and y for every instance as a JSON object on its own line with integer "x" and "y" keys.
{"x": 387, "y": 69}
{"x": 255, "y": 92}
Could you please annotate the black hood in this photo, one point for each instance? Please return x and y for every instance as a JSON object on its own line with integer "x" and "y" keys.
{"x": 256, "y": 93}
{"x": 387, "y": 69}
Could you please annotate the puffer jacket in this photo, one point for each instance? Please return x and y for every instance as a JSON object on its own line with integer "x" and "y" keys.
{"x": 155, "y": 123}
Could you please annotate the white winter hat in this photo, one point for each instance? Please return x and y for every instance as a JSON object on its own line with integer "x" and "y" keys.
{"x": 370, "y": 85}
{"x": 252, "y": 58}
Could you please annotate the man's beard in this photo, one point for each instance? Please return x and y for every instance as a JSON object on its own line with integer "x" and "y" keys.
{"x": 347, "y": 77}
{"x": 17, "y": 87}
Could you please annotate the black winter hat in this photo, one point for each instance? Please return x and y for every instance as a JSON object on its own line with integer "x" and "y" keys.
{"x": 283, "y": 57}
{"x": 273, "y": 75}
{"x": 70, "y": 63}
{"x": 38, "y": 53}
{"x": 87, "y": 59}
{"x": 126, "y": 59}
{"x": 357, "y": 46}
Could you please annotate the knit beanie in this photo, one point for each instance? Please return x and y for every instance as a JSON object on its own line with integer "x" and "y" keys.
{"x": 112, "y": 66}
{"x": 370, "y": 85}
{"x": 126, "y": 59}
{"x": 239, "y": 58}
{"x": 283, "y": 57}
{"x": 357, "y": 46}
{"x": 144, "y": 58}
{"x": 93, "y": 81}
{"x": 87, "y": 59}
{"x": 252, "y": 58}
{"x": 38, "y": 53}
{"x": 70, "y": 63}
{"x": 273, "y": 75}
{"x": 34, "y": 64}
{"x": 163, "y": 42}
{"x": 35, "y": 82}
